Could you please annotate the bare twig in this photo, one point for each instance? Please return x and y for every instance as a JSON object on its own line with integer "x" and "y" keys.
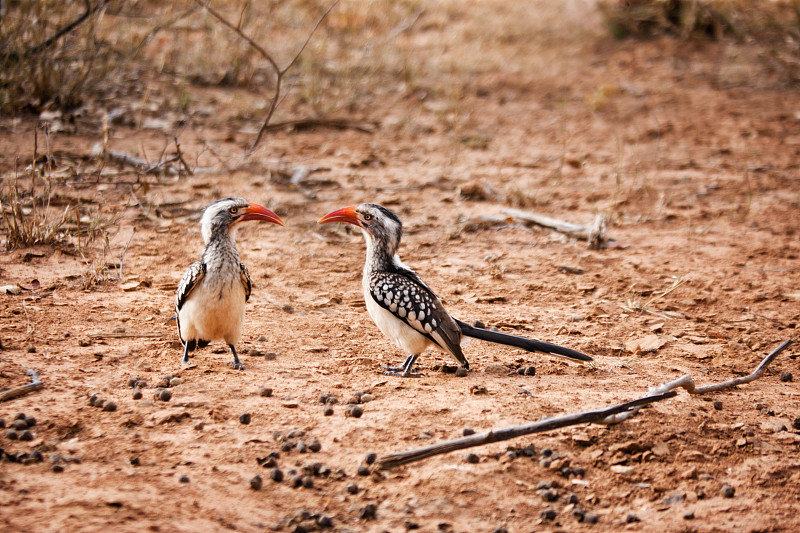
{"x": 548, "y": 424}
{"x": 335, "y": 123}
{"x": 609, "y": 415}
{"x": 279, "y": 72}
{"x": 90, "y": 10}
{"x": 594, "y": 234}
{"x": 16, "y": 392}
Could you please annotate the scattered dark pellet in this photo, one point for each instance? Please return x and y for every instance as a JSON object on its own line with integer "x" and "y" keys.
{"x": 20, "y": 416}
{"x": 352, "y": 488}
{"x": 511, "y": 455}
{"x": 727, "y": 491}
{"x": 498, "y": 530}
{"x": 300, "y": 529}
{"x": 141, "y": 384}
{"x": 370, "y": 458}
{"x": 314, "y": 445}
{"x": 58, "y": 468}
{"x": 295, "y": 433}
{"x": 164, "y": 395}
{"x": 132, "y": 382}
{"x": 2, "y": 423}
{"x": 333, "y": 400}
{"x": 256, "y": 482}
{"x": 548, "y": 514}
{"x": 461, "y": 372}
{"x": 323, "y": 398}
{"x": 547, "y": 452}
{"x": 184, "y": 479}
{"x": 573, "y": 499}
{"x": 37, "y": 456}
{"x": 266, "y": 462}
{"x": 448, "y": 369}
{"x": 244, "y": 418}
{"x": 354, "y": 400}
{"x": 276, "y": 475}
{"x": 578, "y": 471}
{"x": 530, "y": 371}
{"x": 550, "y": 495}
{"x": 324, "y": 521}
{"x": 578, "y": 513}
{"x": 26, "y": 436}
{"x": 135, "y": 461}
{"x": 12, "y": 434}
{"x": 265, "y": 392}
{"x": 543, "y": 485}
{"x": 479, "y": 324}
{"x": 786, "y": 377}
{"x": 109, "y": 406}
{"x": 718, "y": 405}
{"x": 473, "y": 458}
{"x": 590, "y": 518}
{"x": 93, "y": 400}
{"x": 308, "y": 482}
{"x": 363, "y": 470}
{"x": 137, "y": 394}
{"x": 545, "y": 462}
{"x": 354, "y": 411}
{"x": 795, "y": 423}
{"x": 19, "y": 425}
{"x": 367, "y": 512}
{"x": 297, "y": 481}
{"x": 31, "y": 421}
{"x": 301, "y": 447}
{"x": 631, "y": 518}
{"x": 521, "y": 371}
{"x": 688, "y": 515}
{"x": 468, "y": 431}
{"x": 328, "y": 411}
{"x": 286, "y": 446}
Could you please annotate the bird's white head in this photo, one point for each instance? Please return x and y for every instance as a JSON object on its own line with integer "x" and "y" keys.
{"x": 380, "y": 226}
{"x": 221, "y": 217}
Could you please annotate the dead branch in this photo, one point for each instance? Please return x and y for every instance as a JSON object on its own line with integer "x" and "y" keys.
{"x": 687, "y": 383}
{"x": 334, "y": 123}
{"x": 62, "y": 31}
{"x": 594, "y": 233}
{"x": 279, "y": 72}
{"x": 609, "y": 415}
{"x": 22, "y": 390}
{"x": 548, "y": 424}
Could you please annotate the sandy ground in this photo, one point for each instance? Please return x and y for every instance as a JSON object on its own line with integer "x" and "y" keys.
{"x": 689, "y": 149}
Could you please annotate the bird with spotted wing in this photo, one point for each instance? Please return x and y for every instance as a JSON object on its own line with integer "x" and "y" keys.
{"x": 404, "y": 308}
{"x": 209, "y": 304}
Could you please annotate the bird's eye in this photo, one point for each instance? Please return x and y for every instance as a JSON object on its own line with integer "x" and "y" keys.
{"x": 367, "y": 217}
{"x": 234, "y": 210}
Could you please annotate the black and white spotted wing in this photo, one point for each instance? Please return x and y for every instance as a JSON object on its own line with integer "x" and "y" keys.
{"x": 410, "y": 300}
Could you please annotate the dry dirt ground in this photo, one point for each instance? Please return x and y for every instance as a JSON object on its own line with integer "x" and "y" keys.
{"x": 691, "y": 150}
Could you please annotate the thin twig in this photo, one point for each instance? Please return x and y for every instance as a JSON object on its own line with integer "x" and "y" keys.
{"x": 65, "y": 29}
{"x": 16, "y": 392}
{"x": 548, "y": 424}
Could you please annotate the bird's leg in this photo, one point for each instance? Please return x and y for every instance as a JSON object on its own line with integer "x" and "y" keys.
{"x": 403, "y": 371}
{"x": 236, "y": 364}
{"x": 185, "y": 358}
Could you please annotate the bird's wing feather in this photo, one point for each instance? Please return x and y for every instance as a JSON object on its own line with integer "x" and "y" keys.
{"x": 404, "y": 295}
{"x": 248, "y": 286}
{"x": 189, "y": 281}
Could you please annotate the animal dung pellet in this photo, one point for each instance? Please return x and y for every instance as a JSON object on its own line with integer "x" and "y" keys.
{"x": 132, "y": 381}
{"x": 727, "y": 491}
{"x": 328, "y": 411}
{"x": 244, "y": 418}
{"x": 163, "y": 395}
{"x": 352, "y": 488}
{"x": 370, "y": 458}
{"x": 19, "y": 425}
{"x": 31, "y": 421}
{"x": 276, "y": 475}
{"x": 12, "y": 434}
{"x": 367, "y": 512}
{"x": 473, "y": 458}
{"x": 314, "y": 445}
{"x": 109, "y": 406}
{"x": 256, "y": 482}
{"x": 266, "y": 392}
{"x": 362, "y": 470}
{"x": 354, "y": 411}
{"x": 137, "y": 394}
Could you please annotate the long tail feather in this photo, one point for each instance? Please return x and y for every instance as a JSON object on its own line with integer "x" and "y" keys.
{"x": 531, "y": 345}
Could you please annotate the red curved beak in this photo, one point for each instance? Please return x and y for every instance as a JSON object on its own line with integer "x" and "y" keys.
{"x": 258, "y": 212}
{"x": 345, "y": 214}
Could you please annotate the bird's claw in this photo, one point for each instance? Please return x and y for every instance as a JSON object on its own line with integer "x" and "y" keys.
{"x": 236, "y": 365}
{"x": 399, "y": 372}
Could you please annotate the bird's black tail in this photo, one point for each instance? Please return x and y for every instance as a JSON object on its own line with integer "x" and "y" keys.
{"x": 531, "y": 345}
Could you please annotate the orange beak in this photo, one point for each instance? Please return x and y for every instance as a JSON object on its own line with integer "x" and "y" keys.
{"x": 345, "y": 214}
{"x": 258, "y": 212}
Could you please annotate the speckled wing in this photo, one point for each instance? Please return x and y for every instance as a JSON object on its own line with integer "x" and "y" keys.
{"x": 245, "y": 275}
{"x": 191, "y": 278}
{"x": 404, "y": 295}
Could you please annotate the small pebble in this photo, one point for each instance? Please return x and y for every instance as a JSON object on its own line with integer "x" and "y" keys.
{"x": 479, "y": 324}
{"x": 135, "y": 461}
{"x": 58, "y": 468}
{"x": 548, "y": 514}
{"x": 545, "y": 462}
{"x": 590, "y": 518}
{"x": 529, "y": 451}
{"x": 184, "y": 479}
{"x": 530, "y": 371}
{"x": 353, "y": 400}
{"x": 37, "y": 456}
{"x": 328, "y": 411}
{"x": 461, "y": 372}
{"x": 578, "y": 471}
{"x": 26, "y": 436}
{"x": 265, "y": 392}
{"x": 547, "y": 452}
{"x": 352, "y": 488}
{"x": 573, "y": 499}
{"x": 365, "y": 398}
{"x": 93, "y": 400}
{"x": 550, "y": 495}
{"x": 314, "y": 445}
{"x": 631, "y": 518}
{"x": 786, "y": 377}
{"x": 795, "y": 423}
{"x": 308, "y": 482}
{"x": 244, "y": 418}
{"x": 286, "y": 446}
{"x": 727, "y": 491}
{"x": 324, "y": 521}
{"x": 175, "y": 381}
{"x": 544, "y": 485}
{"x": 354, "y": 411}
{"x": 276, "y": 475}
{"x": 468, "y": 431}
{"x": 2, "y": 423}
{"x": 363, "y": 470}
{"x": 473, "y": 458}
{"x": 370, "y": 458}
{"x": 718, "y": 405}
{"x": 688, "y": 515}
{"x": 367, "y": 512}
{"x": 256, "y": 482}
{"x": 137, "y": 394}
{"x": 109, "y": 406}
{"x": 301, "y": 447}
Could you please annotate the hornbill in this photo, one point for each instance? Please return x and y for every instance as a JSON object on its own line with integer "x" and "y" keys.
{"x": 209, "y": 304}
{"x": 404, "y": 308}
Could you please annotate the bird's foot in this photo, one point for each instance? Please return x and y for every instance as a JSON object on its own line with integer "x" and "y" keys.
{"x": 399, "y": 373}
{"x": 236, "y": 365}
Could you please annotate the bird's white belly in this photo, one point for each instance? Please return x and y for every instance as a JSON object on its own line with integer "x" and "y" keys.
{"x": 214, "y": 311}
{"x": 403, "y": 335}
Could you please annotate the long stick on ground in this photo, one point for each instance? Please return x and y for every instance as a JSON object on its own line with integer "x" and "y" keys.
{"x": 548, "y": 424}
{"x": 35, "y": 384}
{"x": 609, "y": 415}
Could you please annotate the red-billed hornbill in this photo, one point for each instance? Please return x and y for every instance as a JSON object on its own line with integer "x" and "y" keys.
{"x": 404, "y": 308}
{"x": 210, "y": 301}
